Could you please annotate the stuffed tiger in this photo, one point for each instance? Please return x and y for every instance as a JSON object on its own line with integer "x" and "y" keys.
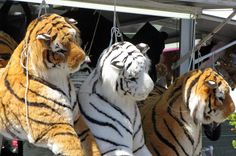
{"x": 173, "y": 123}
{"x": 108, "y": 99}
{"x": 7, "y": 46}
{"x": 38, "y": 102}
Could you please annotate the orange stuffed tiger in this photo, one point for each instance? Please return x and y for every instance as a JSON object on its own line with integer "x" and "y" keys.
{"x": 37, "y": 101}
{"x": 7, "y": 46}
{"x": 172, "y": 122}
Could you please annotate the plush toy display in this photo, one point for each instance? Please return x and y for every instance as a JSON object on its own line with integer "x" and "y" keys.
{"x": 108, "y": 99}
{"x": 38, "y": 102}
{"x": 172, "y": 122}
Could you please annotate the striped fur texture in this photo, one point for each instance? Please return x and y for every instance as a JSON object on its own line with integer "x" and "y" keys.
{"x": 50, "y": 51}
{"x": 173, "y": 122}
{"x": 108, "y": 99}
{"x": 7, "y": 46}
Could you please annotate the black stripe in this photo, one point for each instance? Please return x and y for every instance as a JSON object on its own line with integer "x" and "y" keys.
{"x": 180, "y": 123}
{"x": 165, "y": 141}
{"x": 110, "y": 117}
{"x": 139, "y": 148}
{"x": 50, "y": 85}
{"x": 19, "y": 121}
{"x": 65, "y": 134}
{"x": 8, "y": 123}
{"x": 115, "y": 57}
{"x": 84, "y": 138}
{"x": 129, "y": 65}
{"x": 5, "y": 56}
{"x": 139, "y": 128}
{"x": 115, "y": 107}
{"x": 49, "y": 99}
{"x": 109, "y": 151}
{"x": 83, "y": 132}
{"x": 110, "y": 142}
{"x": 135, "y": 114}
{"x": 97, "y": 122}
{"x": 33, "y": 104}
{"x": 30, "y": 31}
{"x": 6, "y": 43}
{"x": 157, "y": 153}
{"x": 121, "y": 84}
{"x": 50, "y": 127}
{"x": 173, "y": 135}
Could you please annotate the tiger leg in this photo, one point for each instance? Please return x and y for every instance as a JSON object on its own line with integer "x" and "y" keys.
{"x": 87, "y": 139}
{"x": 63, "y": 140}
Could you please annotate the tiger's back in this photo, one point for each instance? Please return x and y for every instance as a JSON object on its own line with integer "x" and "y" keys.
{"x": 172, "y": 124}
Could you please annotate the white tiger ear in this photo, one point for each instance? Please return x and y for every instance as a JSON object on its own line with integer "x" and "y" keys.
{"x": 143, "y": 47}
{"x": 72, "y": 21}
{"x": 43, "y": 37}
{"x": 211, "y": 84}
{"x": 118, "y": 64}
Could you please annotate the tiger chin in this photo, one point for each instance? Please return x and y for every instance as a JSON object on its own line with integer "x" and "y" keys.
{"x": 37, "y": 100}
{"x": 173, "y": 122}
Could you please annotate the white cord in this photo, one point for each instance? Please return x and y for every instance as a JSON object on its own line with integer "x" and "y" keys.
{"x": 94, "y": 33}
{"x": 25, "y": 54}
{"x": 114, "y": 30}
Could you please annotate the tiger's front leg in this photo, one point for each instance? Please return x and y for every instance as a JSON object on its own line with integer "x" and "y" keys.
{"x": 63, "y": 140}
{"x": 87, "y": 139}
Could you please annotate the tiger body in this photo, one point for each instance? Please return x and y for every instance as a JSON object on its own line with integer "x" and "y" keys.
{"x": 172, "y": 123}
{"x": 108, "y": 99}
{"x": 39, "y": 68}
{"x": 7, "y": 46}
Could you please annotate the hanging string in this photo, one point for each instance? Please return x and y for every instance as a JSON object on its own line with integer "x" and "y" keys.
{"x": 43, "y": 5}
{"x": 25, "y": 56}
{"x": 199, "y": 55}
{"x": 114, "y": 30}
{"x": 94, "y": 33}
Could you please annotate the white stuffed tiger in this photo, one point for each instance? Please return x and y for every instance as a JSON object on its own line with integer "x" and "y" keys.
{"x": 108, "y": 99}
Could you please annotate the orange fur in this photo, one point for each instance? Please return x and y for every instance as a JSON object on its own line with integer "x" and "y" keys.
{"x": 172, "y": 123}
{"x": 7, "y": 46}
{"x": 50, "y": 96}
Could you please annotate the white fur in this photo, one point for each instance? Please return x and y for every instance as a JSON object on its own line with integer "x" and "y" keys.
{"x": 103, "y": 83}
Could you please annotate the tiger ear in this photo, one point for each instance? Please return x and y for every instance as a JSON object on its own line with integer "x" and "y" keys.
{"x": 118, "y": 64}
{"x": 72, "y": 21}
{"x": 143, "y": 47}
{"x": 211, "y": 84}
{"x": 43, "y": 37}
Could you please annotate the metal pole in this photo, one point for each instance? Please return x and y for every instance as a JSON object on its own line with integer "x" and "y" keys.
{"x": 210, "y": 35}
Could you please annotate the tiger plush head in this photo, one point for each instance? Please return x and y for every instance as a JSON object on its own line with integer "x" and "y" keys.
{"x": 210, "y": 99}
{"x": 124, "y": 68}
{"x": 53, "y": 44}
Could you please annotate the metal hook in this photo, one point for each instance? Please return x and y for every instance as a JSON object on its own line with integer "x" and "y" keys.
{"x": 43, "y": 5}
